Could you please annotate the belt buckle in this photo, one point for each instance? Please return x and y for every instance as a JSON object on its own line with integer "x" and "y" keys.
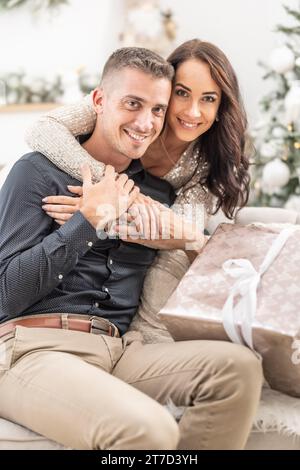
{"x": 96, "y": 327}
{"x": 100, "y": 327}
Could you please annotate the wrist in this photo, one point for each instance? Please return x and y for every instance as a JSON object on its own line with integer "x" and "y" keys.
{"x": 98, "y": 222}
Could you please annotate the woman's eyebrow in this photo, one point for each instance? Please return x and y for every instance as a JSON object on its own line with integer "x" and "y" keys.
{"x": 210, "y": 93}
{"x": 183, "y": 86}
{"x": 189, "y": 89}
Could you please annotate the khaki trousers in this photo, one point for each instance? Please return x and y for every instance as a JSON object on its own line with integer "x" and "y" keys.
{"x": 90, "y": 391}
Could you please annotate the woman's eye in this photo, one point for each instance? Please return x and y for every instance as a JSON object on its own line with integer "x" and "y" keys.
{"x": 181, "y": 93}
{"x": 210, "y": 99}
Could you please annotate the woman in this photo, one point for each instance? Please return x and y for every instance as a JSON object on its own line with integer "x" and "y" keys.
{"x": 200, "y": 152}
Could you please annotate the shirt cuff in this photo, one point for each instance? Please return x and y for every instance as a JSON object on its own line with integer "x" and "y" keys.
{"x": 78, "y": 233}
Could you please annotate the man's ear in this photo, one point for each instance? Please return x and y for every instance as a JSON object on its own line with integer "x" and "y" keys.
{"x": 97, "y": 97}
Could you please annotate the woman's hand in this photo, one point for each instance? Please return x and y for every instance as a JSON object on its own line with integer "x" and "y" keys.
{"x": 61, "y": 208}
{"x": 150, "y": 223}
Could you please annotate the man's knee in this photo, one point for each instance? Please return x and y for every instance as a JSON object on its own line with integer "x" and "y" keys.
{"x": 249, "y": 368}
{"x": 145, "y": 426}
{"x": 158, "y": 430}
{"x": 242, "y": 369}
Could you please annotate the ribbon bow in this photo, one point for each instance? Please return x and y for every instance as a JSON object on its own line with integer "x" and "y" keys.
{"x": 247, "y": 281}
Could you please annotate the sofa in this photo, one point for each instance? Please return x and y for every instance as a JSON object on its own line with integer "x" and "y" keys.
{"x": 277, "y": 423}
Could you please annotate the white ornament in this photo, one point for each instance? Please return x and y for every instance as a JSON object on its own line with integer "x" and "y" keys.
{"x": 282, "y": 60}
{"x": 37, "y": 86}
{"x": 293, "y": 203}
{"x": 146, "y": 20}
{"x": 12, "y": 97}
{"x": 292, "y": 104}
{"x": 276, "y": 174}
{"x": 297, "y": 62}
{"x": 290, "y": 77}
{"x": 278, "y": 132}
{"x": 268, "y": 150}
{"x": 14, "y": 82}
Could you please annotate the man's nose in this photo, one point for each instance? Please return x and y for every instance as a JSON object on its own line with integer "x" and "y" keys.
{"x": 144, "y": 122}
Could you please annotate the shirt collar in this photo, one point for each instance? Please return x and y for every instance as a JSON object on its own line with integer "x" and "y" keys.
{"x": 134, "y": 168}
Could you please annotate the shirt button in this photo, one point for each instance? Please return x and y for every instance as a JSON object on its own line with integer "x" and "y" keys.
{"x": 96, "y": 304}
{"x": 110, "y": 261}
{"x": 60, "y": 277}
{"x": 90, "y": 244}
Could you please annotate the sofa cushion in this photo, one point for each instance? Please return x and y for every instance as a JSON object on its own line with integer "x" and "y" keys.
{"x": 13, "y": 436}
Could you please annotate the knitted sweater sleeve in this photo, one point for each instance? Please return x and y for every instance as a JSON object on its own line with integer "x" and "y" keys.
{"x": 54, "y": 134}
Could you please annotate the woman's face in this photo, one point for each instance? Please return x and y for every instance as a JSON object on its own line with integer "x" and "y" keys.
{"x": 194, "y": 101}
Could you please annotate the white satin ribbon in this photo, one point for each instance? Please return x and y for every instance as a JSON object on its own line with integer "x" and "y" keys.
{"x": 247, "y": 281}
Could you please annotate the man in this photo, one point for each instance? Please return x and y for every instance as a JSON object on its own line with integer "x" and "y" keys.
{"x": 59, "y": 284}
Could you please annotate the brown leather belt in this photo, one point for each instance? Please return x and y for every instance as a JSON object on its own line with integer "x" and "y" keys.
{"x": 95, "y": 325}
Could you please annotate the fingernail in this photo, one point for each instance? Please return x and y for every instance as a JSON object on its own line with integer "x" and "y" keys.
{"x": 45, "y": 199}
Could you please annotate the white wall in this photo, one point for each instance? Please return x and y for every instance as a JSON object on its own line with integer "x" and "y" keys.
{"x": 12, "y": 130}
{"x": 85, "y": 32}
{"x": 81, "y": 33}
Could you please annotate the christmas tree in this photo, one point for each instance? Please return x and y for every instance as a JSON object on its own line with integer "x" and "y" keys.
{"x": 276, "y": 170}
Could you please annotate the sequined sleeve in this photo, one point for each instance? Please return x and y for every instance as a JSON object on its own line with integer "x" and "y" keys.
{"x": 53, "y": 136}
{"x": 193, "y": 202}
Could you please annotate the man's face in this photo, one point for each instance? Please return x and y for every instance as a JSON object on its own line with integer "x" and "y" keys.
{"x": 131, "y": 110}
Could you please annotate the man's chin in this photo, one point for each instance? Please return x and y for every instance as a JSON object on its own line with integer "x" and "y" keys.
{"x": 136, "y": 154}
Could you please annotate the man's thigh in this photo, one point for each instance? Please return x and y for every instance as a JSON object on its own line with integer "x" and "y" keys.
{"x": 59, "y": 385}
{"x": 176, "y": 370}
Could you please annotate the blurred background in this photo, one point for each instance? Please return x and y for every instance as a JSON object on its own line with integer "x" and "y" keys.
{"x": 52, "y": 52}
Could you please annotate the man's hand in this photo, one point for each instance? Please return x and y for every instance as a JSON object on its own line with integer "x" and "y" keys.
{"x": 104, "y": 202}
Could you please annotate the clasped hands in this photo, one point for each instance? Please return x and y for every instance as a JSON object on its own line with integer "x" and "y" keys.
{"x": 116, "y": 205}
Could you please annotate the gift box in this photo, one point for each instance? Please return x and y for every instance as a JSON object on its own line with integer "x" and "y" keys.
{"x": 245, "y": 287}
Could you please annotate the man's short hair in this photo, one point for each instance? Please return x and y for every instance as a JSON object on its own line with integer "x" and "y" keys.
{"x": 138, "y": 58}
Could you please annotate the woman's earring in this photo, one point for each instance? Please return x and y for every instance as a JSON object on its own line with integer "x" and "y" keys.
{"x": 217, "y": 119}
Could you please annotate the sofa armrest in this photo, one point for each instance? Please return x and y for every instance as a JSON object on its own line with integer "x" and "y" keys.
{"x": 266, "y": 215}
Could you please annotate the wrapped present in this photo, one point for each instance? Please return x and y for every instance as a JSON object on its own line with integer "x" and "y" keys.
{"x": 245, "y": 287}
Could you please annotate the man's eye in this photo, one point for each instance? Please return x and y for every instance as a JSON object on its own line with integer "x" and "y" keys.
{"x": 132, "y": 104}
{"x": 159, "y": 110}
{"x": 181, "y": 93}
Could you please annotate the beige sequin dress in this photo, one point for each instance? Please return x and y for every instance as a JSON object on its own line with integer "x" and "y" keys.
{"x": 53, "y": 136}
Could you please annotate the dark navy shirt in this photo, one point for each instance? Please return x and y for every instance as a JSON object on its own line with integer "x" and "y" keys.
{"x": 45, "y": 267}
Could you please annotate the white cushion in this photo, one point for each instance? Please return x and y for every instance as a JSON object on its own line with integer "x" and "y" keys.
{"x": 13, "y": 436}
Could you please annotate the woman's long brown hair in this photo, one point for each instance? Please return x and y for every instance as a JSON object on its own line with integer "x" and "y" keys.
{"x": 223, "y": 145}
